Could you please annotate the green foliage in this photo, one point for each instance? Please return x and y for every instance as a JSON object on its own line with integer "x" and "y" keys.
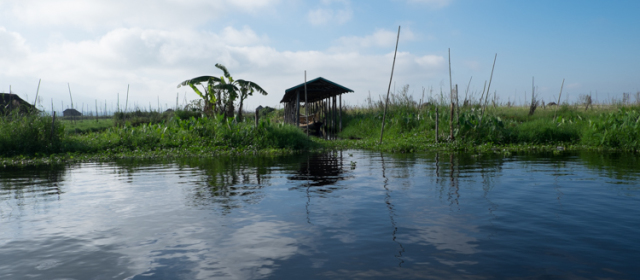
{"x": 29, "y": 134}
{"x": 221, "y": 92}
{"x": 619, "y": 129}
{"x": 87, "y": 125}
{"x": 410, "y": 126}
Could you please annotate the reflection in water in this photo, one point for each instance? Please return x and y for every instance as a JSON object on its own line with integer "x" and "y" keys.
{"x": 387, "y": 201}
{"x": 322, "y": 171}
{"x": 30, "y": 186}
{"x": 228, "y": 182}
{"x": 309, "y": 216}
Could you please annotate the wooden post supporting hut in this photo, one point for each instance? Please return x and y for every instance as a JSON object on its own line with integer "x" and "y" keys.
{"x": 324, "y": 116}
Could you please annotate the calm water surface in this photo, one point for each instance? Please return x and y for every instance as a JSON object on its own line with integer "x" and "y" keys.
{"x": 338, "y": 215}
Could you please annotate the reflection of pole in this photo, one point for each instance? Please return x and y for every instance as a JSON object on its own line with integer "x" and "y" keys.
{"x": 306, "y": 103}
{"x": 437, "y": 166}
{"x": 384, "y": 115}
{"x": 308, "y": 186}
{"x": 454, "y": 185}
{"x": 387, "y": 201}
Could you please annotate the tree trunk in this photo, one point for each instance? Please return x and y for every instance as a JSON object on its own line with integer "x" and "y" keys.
{"x": 240, "y": 110}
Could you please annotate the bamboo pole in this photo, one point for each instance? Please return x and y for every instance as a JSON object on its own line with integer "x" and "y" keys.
{"x": 484, "y": 88}
{"x": 466, "y": 92}
{"x": 335, "y": 117}
{"x": 96, "y": 110}
{"x": 37, "y": 92}
{"x": 450, "y": 79}
{"x": 452, "y": 112}
{"x": 490, "y": 79}
{"x": 126, "y": 103}
{"x": 10, "y": 99}
{"x": 306, "y": 103}
{"x": 340, "y": 112}
{"x": 70, "y": 97}
{"x": 437, "y": 119}
{"x": 53, "y": 124}
{"x": 560, "y": 95}
{"x": 297, "y": 112}
{"x": 384, "y": 115}
{"x": 457, "y": 104}
{"x": 325, "y": 118}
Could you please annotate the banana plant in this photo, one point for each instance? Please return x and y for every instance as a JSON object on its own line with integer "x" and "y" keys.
{"x": 212, "y": 93}
{"x": 246, "y": 88}
{"x": 220, "y": 93}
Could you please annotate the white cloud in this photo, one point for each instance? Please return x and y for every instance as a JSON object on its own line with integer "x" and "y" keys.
{"x": 331, "y": 15}
{"x": 97, "y": 14}
{"x": 380, "y": 38}
{"x": 155, "y": 61}
{"x": 432, "y": 3}
{"x": 12, "y": 46}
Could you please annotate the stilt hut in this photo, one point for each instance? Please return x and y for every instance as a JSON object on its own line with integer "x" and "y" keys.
{"x": 323, "y": 103}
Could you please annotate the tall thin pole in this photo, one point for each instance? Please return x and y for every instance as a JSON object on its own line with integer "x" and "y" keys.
{"x": 437, "y": 120}
{"x": 384, "y": 116}
{"x": 490, "y": 78}
{"x": 37, "y": 92}
{"x": 450, "y": 79}
{"x": 560, "y": 95}
{"x": 340, "y": 112}
{"x": 466, "y": 92}
{"x": 71, "y": 97}
{"x": 452, "y": 100}
{"x": 126, "y": 103}
{"x": 297, "y": 112}
{"x": 306, "y": 103}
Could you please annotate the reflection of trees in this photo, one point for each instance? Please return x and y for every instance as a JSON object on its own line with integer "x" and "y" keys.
{"x": 619, "y": 166}
{"x": 450, "y": 169}
{"x": 29, "y": 186}
{"x": 229, "y": 182}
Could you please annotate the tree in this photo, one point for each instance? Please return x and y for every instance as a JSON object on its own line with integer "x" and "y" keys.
{"x": 216, "y": 93}
{"x": 220, "y": 92}
{"x": 246, "y": 88}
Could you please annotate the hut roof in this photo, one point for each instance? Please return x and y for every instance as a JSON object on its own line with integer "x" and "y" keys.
{"x": 5, "y": 97}
{"x": 14, "y": 99}
{"x": 317, "y": 89}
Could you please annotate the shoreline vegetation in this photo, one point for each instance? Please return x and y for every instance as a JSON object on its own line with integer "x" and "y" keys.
{"x": 33, "y": 139}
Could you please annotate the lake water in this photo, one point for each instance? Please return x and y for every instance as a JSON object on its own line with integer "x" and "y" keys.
{"x": 337, "y": 215}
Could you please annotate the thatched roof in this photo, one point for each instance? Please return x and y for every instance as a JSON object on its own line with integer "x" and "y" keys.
{"x": 10, "y": 101}
{"x": 317, "y": 89}
{"x": 71, "y": 113}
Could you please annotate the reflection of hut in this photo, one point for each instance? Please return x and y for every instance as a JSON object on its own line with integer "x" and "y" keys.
{"x": 11, "y": 101}
{"x": 321, "y": 170}
{"x": 324, "y": 101}
{"x": 71, "y": 113}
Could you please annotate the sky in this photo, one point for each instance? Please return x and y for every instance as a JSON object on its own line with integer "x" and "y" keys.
{"x": 98, "y": 48}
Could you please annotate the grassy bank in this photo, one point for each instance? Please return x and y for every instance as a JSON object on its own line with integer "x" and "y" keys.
{"x": 25, "y": 137}
{"x": 410, "y": 127}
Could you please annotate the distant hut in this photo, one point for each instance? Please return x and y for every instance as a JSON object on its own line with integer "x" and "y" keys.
{"x": 11, "y": 101}
{"x": 324, "y": 100}
{"x": 71, "y": 113}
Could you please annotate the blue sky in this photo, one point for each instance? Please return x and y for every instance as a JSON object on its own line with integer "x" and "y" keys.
{"x": 99, "y": 47}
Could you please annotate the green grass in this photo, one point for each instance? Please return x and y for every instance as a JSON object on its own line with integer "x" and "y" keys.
{"x": 30, "y": 136}
{"x": 87, "y": 125}
{"x": 409, "y": 128}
